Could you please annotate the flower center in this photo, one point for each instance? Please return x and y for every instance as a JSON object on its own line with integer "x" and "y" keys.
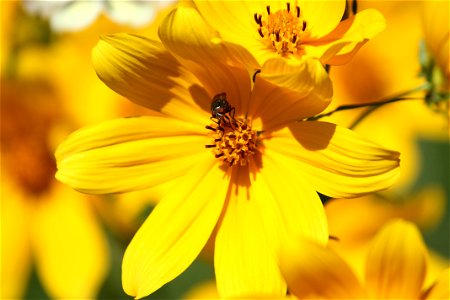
{"x": 282, "y": 30}
{"x": 234, "y": 141}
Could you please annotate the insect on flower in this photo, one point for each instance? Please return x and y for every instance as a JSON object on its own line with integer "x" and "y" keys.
{"x": 222, "y": 111}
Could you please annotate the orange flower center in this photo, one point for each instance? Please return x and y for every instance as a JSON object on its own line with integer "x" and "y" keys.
{"x": 233, "y": 142}
{"x": 282, "y": 30}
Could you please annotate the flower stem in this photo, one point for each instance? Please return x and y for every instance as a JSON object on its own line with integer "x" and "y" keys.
{"x": 374, "y": 105}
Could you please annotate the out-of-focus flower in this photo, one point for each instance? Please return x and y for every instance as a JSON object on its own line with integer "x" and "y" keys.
{"x": 293, "y": 29}
{"x": 386, "y": 67}
{"x": 435, "y": 58}
{"x": 43, "y": 221}
{"x": 425, "y": 208}
{"x": 238, "y": 175}
{"x": 395, "y": 268}
{"x": 74, "y": 15}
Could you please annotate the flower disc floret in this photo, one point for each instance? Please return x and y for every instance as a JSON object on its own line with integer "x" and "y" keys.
{"x": 234, "y": 143}
{"x": 282, "y": 30}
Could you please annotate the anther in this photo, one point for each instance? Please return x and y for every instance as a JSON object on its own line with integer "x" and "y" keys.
{"x": 219, "y": 155}
{"x": 288, "y": 7}
{"x": 210, "y": 128}
{"x": 294, "y": 38}
{"x": 277, "y": 35}
{"x": 260, "y": 32}
{"x": 254, "y": 75}
{"x": 268, "y": 9}
{"x": 304, "y": 26}
{"x": 210, "y": 146}
{"x": 298, "y": 11}
{"x": 256, "y": 18}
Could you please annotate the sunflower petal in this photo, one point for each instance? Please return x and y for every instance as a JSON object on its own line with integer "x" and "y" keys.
{"x": 314, "y": 272}
{"x": 147, "y": 74}
{"x": 336, "y": 161}
{"x": 396, "y": 262}
{"x": 199, "y": 47}
{"x": 284, "y": 92}
{"x": 71, "y": 253}
{"x": 129, "y": 154}
{"x": 176, "y": 230}
{"x": 244, "y": 259}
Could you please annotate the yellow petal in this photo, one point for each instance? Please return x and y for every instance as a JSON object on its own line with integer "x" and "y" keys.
{"x": 336, "y": 161}
{"x": 355, "y": 31}
{"x": 176, "y": 230}
{"x": 244, "y": 259}
{"x": 198, "y": 46}
{"x": 234, "y": 20}
{"x": 15, "y": 245}
{"x": 441, "y": 288}
{"x": 322, "y": 16}
{"x": 314, "y": 272}
{"x": 143, "y": 71}
{"x": 70, "y": 250}
{"x": 129, "y": 154}
{"x": 396, "y": 263}
{"x": 284, "y": 92}
{"x": 288, "y": 202}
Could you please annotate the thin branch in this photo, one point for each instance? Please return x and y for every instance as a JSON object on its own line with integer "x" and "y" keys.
{"x": 373, "y": 105}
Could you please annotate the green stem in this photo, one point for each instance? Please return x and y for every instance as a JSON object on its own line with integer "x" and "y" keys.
{"x": 374, "y": 105}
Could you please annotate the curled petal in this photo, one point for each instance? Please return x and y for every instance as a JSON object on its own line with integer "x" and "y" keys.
{"x": 284, "y": 93}
{"x": 339, "y": 46}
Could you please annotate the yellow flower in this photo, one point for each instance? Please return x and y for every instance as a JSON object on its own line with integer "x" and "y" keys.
{"x": 251, "y": 174}
{"x": 43, "y": 222}
{"x": 395, "y": 269}
{"x": 293, "y": 29}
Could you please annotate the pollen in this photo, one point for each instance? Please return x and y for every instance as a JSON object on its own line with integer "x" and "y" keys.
{"x": 282, "y": 30}
{"x": 234, "y": 143}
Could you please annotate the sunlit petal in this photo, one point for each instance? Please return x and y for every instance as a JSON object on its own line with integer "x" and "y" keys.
{"x": 186, "y": 34}
{"x": 129, "y": 154}
{"x": 288, "y": 203}
{"x": 244, "y": 259}
{"x": 176, "y": 230}
{"x": 396, "y": 263}
{"x": 315, "y": 272}
{"x": 322, "y": 16}
{"x": 337, "y": 162}
{"x": 284, "y": 92}
{"x": 143, "y": 71}
{"x": 349, "y": 36}
{"x": 70, "y": 249}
